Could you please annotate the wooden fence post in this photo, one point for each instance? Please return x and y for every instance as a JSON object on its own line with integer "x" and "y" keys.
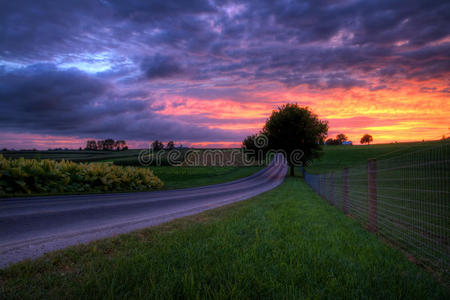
{"x": 332, "y": 188}
{"x": 372, "y": 193}
{"x": 346, "y": 198}
{"x": 318, "y": 184}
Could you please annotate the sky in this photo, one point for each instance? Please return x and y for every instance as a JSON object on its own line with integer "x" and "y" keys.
{"x": 209, "y": 73}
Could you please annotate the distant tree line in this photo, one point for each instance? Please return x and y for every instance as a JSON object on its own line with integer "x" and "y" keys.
{"x": 342, "y": 138}
{"x": 339, "y": 140}
{"x": 108, "y": 144}
{"x": 158, "y": 145}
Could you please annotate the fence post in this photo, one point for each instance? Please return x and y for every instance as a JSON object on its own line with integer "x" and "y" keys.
{"x": 372, "y": 193}
{"x": 320, "y": 184}
{"x": 346, "y": 199}
{"x": 332, "y": 188}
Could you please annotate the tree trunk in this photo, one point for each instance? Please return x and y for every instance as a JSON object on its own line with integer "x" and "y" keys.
{"x": 292, "y": 171}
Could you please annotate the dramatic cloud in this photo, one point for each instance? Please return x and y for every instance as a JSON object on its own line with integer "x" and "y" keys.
{"x": 43, "y": 99}
{"x": 211, "y": 71}
{"x": 160, "y": 67}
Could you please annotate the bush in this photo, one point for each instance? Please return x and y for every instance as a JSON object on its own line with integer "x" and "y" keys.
{"x": 19, "y": 176}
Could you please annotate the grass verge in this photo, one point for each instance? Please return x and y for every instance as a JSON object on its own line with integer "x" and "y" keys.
{"x": 285, "y": 243}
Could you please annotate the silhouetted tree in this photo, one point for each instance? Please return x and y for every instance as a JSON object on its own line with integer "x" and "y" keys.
{"x": 157, "y": 145}
{"x": 120, "y": 145}
{"x": 341, "y": 138}
{"x": 170, "y": 145}
{"x": 293, "y": 127}
{"x": 91, "y": 145}
{"x": 366, "y": 139}
{"x": 249, "y": 146}
{"x": 331, "y": 141}
{"x": 100, "y": 144}
{"x": 108, "y": 144}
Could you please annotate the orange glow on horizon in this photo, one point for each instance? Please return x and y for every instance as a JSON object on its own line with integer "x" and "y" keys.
{"x": 396, "y": 114}
{"x": 401, "y": 114}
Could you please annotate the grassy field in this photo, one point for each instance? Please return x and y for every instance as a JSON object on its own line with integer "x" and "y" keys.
{"x": 412, "y": 195}
{"x": 340, "y": 156}
{"x": 286, "y": 243}
{"x": 184, "y": 177}
{"x": 73, "y": 155}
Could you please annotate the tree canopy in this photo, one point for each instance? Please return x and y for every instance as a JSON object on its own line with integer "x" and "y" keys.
{"x": 170, "y": 145}
{"x": 366, "y": 139}
{"x": 340, "y": 139}
{"x": 292, "y": 128}
{"x": 108, "y": 144}
{"x": 157, "y": 145}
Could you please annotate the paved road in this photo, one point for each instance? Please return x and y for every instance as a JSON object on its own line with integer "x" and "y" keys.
{"x": 30, "y": 227}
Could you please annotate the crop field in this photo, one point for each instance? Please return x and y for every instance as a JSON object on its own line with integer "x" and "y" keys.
{"x": 73, "y": 155}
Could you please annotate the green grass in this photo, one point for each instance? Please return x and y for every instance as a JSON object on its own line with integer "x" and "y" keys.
{"x": 339, "y": 156}
{"x": 286, "y": 243}
{"x": 184, "y": 177}
{"x": 412, "y": 195}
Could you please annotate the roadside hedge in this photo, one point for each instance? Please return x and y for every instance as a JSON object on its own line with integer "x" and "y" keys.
{"x": 30, "y": 176}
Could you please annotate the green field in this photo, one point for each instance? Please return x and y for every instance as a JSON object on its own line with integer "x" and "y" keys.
{"x": 184, "y": 177}
{"x": 74, "y": 155}
{"x": 336, "y": 157}
{"x": 412, "y": 195}
{"x": 285, "y": 243}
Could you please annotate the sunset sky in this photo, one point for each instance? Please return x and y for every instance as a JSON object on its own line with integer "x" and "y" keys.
{"x": 209, "y": 73}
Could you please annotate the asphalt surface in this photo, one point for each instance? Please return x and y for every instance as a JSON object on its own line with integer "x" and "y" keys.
{"x": 30, "y": 227}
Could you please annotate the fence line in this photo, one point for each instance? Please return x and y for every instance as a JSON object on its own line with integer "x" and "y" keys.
{"x": 404, "y": 199}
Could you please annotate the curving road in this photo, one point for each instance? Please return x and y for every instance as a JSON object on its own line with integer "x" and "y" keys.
{"x": 30, "y": 227}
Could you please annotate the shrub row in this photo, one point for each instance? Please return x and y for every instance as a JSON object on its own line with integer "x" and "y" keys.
{"x": 26, "y": 176}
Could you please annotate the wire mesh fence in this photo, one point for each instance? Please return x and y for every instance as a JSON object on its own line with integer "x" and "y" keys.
{"x": 404, "y": 199}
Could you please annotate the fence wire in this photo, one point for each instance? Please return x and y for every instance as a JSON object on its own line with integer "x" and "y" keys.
{"x": 405, "y": 199}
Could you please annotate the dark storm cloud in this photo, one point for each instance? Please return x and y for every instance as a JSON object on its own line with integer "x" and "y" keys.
{"x": 152, "y": 10}
{"x": 160, "y": 66}
{"x": 233, "y": 37}
{"x": 44, "y": 99}
{"x": 41, "y": 30}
